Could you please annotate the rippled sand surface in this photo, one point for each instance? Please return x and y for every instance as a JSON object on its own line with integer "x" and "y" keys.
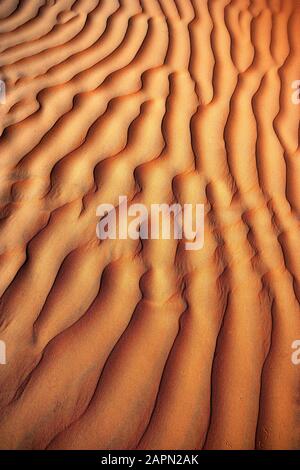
{"x": 122, "y": 344}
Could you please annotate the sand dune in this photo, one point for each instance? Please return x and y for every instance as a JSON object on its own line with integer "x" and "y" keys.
{"x": 124, "y": 344}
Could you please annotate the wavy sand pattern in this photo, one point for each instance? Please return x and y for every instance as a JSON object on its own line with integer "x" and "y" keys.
{"x": 121, "y": 344}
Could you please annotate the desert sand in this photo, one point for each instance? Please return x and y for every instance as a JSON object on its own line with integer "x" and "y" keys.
{"x": 141, "y": 344}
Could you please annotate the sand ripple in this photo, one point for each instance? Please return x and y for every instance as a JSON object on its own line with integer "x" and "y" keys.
{"x": 123, "y": 344}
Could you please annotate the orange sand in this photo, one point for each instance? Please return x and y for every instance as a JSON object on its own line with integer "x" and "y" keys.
{"x": 122, "y": 344}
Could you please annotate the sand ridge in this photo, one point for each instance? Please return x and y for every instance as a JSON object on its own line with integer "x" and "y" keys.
{"x": 123, "y": 344}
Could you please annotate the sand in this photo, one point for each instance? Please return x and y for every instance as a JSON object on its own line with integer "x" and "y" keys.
{"x": 125, "y": 344}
